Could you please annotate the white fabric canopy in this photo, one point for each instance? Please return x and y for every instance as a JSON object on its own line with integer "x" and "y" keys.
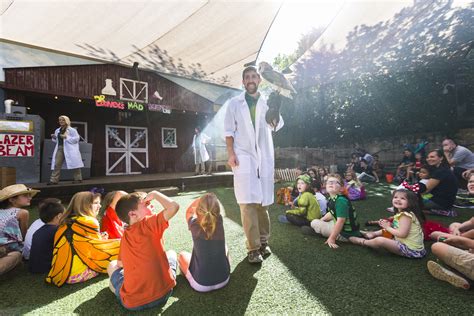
{"x": 209, "y": 40}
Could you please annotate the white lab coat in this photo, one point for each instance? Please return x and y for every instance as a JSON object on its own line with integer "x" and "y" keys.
{"x": 72, "y": 155}
{"x": 202, "y": 139}
{"x": 253, "y": 177}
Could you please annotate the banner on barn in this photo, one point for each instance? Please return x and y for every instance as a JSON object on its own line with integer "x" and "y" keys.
{"x": 17, "y": 145}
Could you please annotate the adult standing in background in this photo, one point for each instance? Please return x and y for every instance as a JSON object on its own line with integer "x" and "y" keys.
{"x": 66, "y": 153}
{"x": 200, "y": 152}
{"x": 459, "y": 158}
{"x": 248, "y": 129}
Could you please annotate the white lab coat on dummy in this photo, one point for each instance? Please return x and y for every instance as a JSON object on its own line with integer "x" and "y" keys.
{"x": 201, "y": 151}
{"x": 72, "y": 155}
{"x": 254, "y": 175}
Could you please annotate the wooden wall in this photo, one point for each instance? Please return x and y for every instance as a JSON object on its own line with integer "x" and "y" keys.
{"x": 85, "y": 81}
{"x": 160, "y": 159}
{"x": 36, "y": 87}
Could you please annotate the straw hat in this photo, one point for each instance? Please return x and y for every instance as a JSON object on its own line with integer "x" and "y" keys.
{"x": 15, "y": 190}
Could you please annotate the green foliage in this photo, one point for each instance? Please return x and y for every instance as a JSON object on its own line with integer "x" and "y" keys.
{"x": 380, "y": 85}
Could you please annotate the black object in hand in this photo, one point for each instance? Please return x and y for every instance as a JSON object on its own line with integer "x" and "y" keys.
{"x": 273, "y": 114}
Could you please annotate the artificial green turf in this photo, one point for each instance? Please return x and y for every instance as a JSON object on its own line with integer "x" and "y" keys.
{"x": 303, "y": 276}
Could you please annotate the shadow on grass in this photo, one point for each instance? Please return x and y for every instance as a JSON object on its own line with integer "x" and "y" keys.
{"x": 104, "y": 302}
{"x": 232, "y": 299}
{"x": 37, "y": 293}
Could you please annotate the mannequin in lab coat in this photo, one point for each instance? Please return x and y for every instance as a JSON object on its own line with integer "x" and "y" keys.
{"x": 200, "y": 152}
{"x": 66, "y": 153}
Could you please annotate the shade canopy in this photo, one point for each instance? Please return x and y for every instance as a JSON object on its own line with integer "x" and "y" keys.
{"x": 208, "y": 40}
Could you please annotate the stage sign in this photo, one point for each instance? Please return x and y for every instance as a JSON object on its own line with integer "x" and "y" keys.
{"x": 17, "y": 145}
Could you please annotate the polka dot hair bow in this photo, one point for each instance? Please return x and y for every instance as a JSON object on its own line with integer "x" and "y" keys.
{"x": 412, "y": 187}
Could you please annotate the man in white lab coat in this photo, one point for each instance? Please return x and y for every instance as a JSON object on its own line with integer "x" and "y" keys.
{"x": 251, "y": 155}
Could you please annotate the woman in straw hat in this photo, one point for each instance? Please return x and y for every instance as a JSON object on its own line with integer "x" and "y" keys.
{"x": 66, "y": 153}
{"x": 13, "y": 223}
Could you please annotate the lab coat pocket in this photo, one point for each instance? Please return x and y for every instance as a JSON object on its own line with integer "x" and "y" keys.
{"x": 243, "y": 167}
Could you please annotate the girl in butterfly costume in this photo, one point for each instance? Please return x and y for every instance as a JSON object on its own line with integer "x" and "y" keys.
{"x": 80, "y": 251}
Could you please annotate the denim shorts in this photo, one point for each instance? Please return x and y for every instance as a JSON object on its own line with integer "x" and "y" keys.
{"x": 117, "y": 281}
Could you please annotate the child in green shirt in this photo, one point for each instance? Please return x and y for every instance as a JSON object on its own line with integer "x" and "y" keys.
{"x": 306, "y": 207}
{"x": 340, "y": 221}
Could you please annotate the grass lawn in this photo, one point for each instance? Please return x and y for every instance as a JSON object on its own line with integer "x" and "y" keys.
{"x": 302, "y": 276}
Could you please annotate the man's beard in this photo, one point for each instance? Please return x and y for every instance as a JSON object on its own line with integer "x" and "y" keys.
{"x": 251, "y": 88}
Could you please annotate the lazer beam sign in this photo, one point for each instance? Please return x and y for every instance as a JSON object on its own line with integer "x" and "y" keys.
{"x": 17, "y": 145}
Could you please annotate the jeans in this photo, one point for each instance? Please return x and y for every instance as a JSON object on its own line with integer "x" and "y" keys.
{"x": 117, "y": 281}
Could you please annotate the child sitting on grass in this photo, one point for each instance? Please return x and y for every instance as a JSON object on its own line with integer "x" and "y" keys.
{"x": 207, "y": 268}
{"x": 80, "y": 251}
{"x": 13, "y": 223}
{"x": 144, "y": 274}
{"x": 323, "y": 203}
{"x": 306, "y": 206}
{"x": 406, "y": 228}
{"x": 354, "y": 189}
{"x": 340, "y": 221}
{"x": 111, "y": 224}
{"x": 41, "y": 252}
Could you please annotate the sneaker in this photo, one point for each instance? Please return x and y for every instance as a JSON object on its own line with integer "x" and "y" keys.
{"x": 265, "y": 250}
{"x": 283, "y": 219}
{"x": 307, "y": 230}
{"x": 443, "y": 274}
{"x": 254, "y": 256}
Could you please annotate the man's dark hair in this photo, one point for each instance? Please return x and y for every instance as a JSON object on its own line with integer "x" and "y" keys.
{"x": 126, "y": 204}
{"x": 452, "y": 140}
{"x": 248, "y": 69}
{"x": 49, "y": 209}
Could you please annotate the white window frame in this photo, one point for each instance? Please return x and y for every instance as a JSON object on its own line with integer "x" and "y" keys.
{"x": 84, "y": 137}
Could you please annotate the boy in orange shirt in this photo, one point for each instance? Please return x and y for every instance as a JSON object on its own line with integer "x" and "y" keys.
{"x": 144, "y": 274}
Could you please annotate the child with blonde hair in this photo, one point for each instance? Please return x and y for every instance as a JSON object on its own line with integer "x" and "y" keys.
{"x": 354, "y": 189}
{"x": 111, "y": 223}
{"x": 406, "y": 228}
{"x": 80, "y": 251}
{"x": 207, "y": 268}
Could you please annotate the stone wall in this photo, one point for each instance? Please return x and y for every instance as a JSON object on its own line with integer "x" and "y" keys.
{"x": 389, "y": 150}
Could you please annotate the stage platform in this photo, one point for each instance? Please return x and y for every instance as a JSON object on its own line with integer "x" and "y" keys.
{"x": 130, "y": 183}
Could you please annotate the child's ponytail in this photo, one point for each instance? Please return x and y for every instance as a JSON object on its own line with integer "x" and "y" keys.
{"x": 208, "y": 212}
